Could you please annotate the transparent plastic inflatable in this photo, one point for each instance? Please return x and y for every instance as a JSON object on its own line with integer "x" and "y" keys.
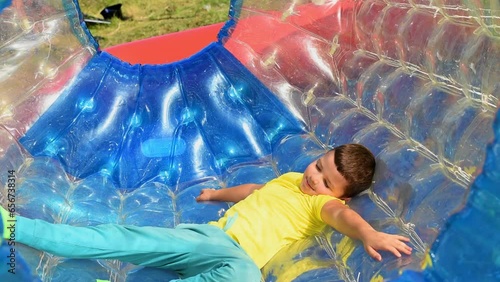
{"x": 90, "y": 139}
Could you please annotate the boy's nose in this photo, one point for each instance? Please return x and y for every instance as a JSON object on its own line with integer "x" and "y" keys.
{"x": 314, "y": 180}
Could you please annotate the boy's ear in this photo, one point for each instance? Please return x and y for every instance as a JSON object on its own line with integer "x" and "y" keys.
{"x": 346, "y": 200}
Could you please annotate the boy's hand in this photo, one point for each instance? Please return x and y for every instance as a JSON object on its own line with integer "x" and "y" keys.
{"x": 205, "y": 195}
{"x": 378, "y": 241}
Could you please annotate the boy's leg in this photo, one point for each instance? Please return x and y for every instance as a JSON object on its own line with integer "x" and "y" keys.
{"x": 146, "y": 246}
{"x": 219, "y": 259}
{"x": 7, "y": 223}
{"x": 196, "y": 252}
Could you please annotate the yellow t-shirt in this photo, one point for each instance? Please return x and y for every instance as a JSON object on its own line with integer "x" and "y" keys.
{"x": 273, "y": 217}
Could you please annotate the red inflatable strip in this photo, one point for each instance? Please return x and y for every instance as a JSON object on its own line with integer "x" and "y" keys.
{"x": 166, "y": 48}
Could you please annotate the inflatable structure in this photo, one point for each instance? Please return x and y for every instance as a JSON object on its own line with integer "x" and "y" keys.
{"x": 86, "y": 138}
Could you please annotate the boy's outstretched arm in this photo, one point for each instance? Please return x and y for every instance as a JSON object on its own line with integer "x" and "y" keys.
{"x": 350, "y": 223}
{"x": 231, "y": 194}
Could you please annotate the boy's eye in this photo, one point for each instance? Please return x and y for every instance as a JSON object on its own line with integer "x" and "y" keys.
{"x": 317, "y": 167}
{"x": 326, "y": 184}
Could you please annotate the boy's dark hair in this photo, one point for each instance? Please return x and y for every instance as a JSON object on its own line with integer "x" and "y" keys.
{"x": 357, "y": 165}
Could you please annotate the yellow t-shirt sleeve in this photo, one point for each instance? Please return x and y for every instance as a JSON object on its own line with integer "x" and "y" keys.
{"x": 318, "y": 202}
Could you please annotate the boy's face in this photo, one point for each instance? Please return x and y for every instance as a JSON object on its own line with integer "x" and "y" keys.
{"x": 321, "y": 177}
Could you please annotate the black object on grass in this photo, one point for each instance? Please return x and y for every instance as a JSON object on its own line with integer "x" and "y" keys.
{"x": 113, "y": 11}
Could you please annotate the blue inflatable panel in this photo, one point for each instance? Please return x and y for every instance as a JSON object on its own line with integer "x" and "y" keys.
{"x": 474, "y": 229}
{"x": 86, "y": 139}
{"x": 174, "y": 123}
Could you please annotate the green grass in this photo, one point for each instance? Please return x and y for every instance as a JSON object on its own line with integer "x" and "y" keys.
{"x": 148, "y": 18}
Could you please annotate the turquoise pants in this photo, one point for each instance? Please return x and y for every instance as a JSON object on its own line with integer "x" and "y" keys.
{"x": 197, "y": 252}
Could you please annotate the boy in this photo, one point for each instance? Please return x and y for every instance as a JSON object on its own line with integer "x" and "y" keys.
{"x": 264, "y": 219}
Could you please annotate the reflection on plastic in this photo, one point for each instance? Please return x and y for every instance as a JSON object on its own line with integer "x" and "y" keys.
{"x": 162, "y": 147}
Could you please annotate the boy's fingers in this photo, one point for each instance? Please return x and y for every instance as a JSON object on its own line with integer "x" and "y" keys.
{"x": 407, "y": 250}
{"x": 395, "y": 252}
{"x": 403, "y": 247}
{"x": 199, "y": 198}
{"x": 374, "y": 254}
{"x": 402, "y": 238}
{"x": 204, "y": 195}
